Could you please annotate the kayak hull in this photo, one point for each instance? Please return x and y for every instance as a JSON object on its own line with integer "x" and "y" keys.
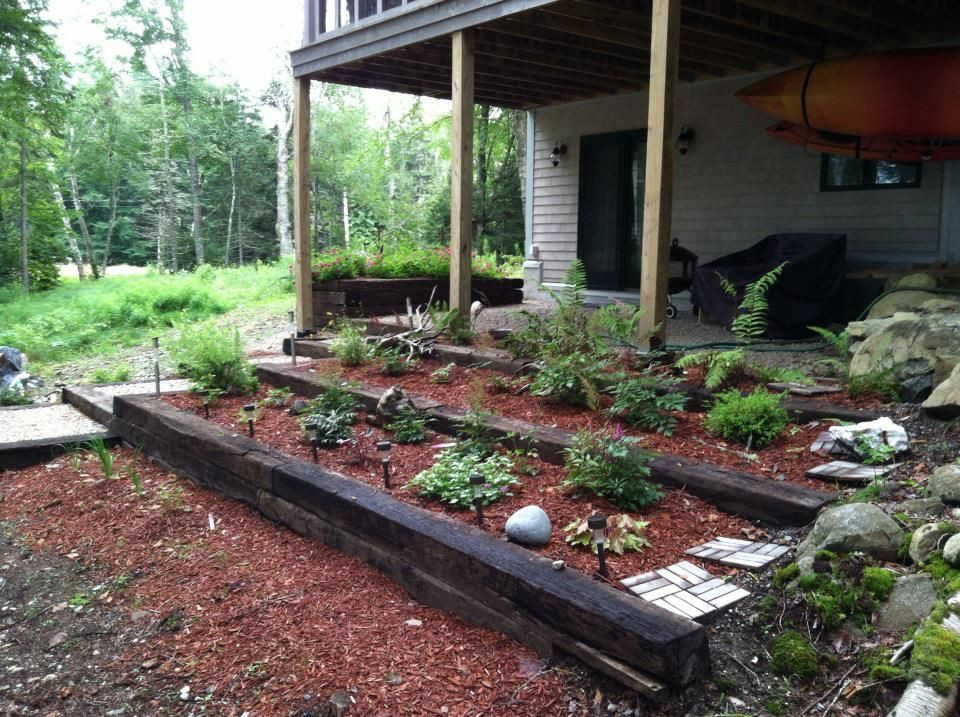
{"x": 873, "y": 148}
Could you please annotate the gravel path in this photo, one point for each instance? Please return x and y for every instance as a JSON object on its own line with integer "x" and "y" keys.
{"x": 38, "y": 422}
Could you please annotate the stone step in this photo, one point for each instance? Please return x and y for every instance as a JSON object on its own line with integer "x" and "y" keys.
{"x": 685, "y": 589}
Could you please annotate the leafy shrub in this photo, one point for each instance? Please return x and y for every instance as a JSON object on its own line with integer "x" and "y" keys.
{"x": 754, "y": 420}
{"x": 403, "y": 261}
{"x": 350, "y": 345}
{"x": 452, "y": 324}
{"x": 212, "y": 361}
{"x": 396, "y": 361}
{"x": 793, "y": 655}
{"x": 623, "y": 533}
{"x": 408, "y": 426}
{"x": 614, "y": 468}
{"x": 570, "y": 378}
{"x": 118, "y": 374}
{"x": 333, "y": 398}
{"x": 618, "y": 325}
{"x": 277, "y": 397}
{"x": 639, "y": 402}
{"x": 448, "y": 479}
{"x": 444, "y": 374}
{"x": 10, "y": 396}
{"x": 332, "y": 427}
{"x": 473, "y": 431}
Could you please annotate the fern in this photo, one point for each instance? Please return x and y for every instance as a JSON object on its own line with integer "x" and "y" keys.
{"x": 728, "y": 286}
{"x": 751, "y": 321}
{"x": 838, "y": 342}
{"x": 721, "y": 365}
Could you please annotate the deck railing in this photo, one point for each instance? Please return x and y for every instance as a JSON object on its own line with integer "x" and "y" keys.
{"x": 322, "y": 16}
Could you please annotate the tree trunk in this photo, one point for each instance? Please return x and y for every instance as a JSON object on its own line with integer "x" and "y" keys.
{"x": 196, "y": 229}
{"x": 346, "y": 220}
{"x": 84, "y": 232}
{"x": 518, "y": 123}
{"x": 24, "y": 259}
{"x": 483, "y": 137}
{"x": 284, "y": 125}
{"x": 233, "y": 204}
{"x": 166, "y": 237}
{"x": 240, "y": 234}
{"x": 68, "y": 229}
{"x": 111, "y": 224}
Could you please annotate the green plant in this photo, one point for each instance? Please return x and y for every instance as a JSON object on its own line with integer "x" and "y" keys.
{"x": 118, "y": 374}
{"x": 350, "y": 345}
{"x": 79, "y": 600}
{"x": 444, "y": 374}
{"x": 936, "y": 654}
{"x": 212, "y": 361}
{"x": 881, "y": 380}
{"x": 277, "y": 397}
{"x": 334, "y": 398}
{"x": 754, "y": 420}
{"x": 171, "y": 496}
{"x": 499, "y": 384}
{"x": 642, "y": 402}
{"x": 623, "y": 533}
{"x": 873, "y": 454}
{"x": 448, "y": 479}
{"x": 618, "y": 325}
{"x": 473, "y": 432}
{"x": 614, "y": 468}
{"x": 332, "y": 427}
{"x": 452, "y": 324}
{"x": 877, "y": 582}
{"x": 104, "y": 455}
{"x": 396, "y": 361}
{"x": 404, "y": 260}
{"x": 14, "y": 396}
{"x": 408, "y": 426}
{"x": 785, "y": 575}
{"x": 570, "y": 378}
{"x": 793, "y": 655}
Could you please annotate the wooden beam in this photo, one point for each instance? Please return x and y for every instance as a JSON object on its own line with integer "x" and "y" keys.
{"x": 461, "y": 172}
{"x": 658, "y": 182}
{"x": 303, "y": 258}
{"x": 831, "y": 19}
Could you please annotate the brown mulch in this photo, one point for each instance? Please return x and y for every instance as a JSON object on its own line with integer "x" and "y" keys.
{"x": 273, "y": 622}
{"x": 678, "y": 522}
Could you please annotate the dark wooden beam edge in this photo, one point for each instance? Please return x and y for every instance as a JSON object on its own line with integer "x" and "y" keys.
{"x": 752, "y": 496}
{"x": 22, "y": 454}
{"x": 441, "y": 561}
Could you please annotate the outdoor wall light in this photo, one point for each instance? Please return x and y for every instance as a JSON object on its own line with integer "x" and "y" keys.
{"x": 478, "y": 481}
{"x": 311, "y": 427}
{"x": 598, "y": 530}
{"x": 156, "y": 363}
{"x": 685, "y": 139}
{"x": 249, "y": 409}
{"x": 559, "y": 152}
{"x": 383, "y": 448}
{"x": 292, "y": 321}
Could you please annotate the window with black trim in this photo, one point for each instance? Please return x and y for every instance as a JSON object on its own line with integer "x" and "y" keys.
{"x": 845, "y": 173}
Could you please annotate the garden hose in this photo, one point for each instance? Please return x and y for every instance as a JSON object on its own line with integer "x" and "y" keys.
{"x": 784, "y": 344}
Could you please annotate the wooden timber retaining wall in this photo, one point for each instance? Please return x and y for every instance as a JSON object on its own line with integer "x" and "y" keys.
{"x": 382, "y": 297}
{"x": 441, "y": 561}
{"x": 752, "y": 496}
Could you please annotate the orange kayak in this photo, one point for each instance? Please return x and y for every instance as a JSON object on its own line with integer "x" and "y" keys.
{"x": 902, "y": 94}
{"x": 874, "y": 148}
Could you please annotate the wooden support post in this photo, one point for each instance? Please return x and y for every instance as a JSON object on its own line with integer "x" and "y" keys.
{"x": 658, "y": 185}
{"x": 461, "y": 172}
{"x": 301, "y": 202}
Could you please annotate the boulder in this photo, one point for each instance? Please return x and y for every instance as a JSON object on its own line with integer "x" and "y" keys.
{"x": 876, "y": 433}
{"x": 910, "y": 602}
{"x": 908, "y": 300}
{"x": 951, "y": 550}
{"x": 910, "y": 343}
{"x": 925, "y": 542}
{"x": 529, "y": 526}
{"x": 923, "y": 507}
{"x": 916, "y": 281}
{"x": 848, "y": 528}
{"x": 916, "y": 389}
{"x": 944, "y": 401}
{"x": 945, "y": 484}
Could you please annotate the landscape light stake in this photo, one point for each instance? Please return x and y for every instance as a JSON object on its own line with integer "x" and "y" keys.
{"x": 383, "y": 448}
{"x": 312, "y": 432}
{"x": 292, "y": 318}
{"x": 206, "y": 403}
{"x": 478, "y": 481}
{"x": 598, "y": 528}
{"x": 249, "y": 409}
{"x": 156, "y": 363}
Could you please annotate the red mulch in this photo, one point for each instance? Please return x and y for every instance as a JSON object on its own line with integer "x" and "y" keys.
{"x": 268, "y": 616}
{"x": 678, "y": 522}
{"x": 787, "y": 457}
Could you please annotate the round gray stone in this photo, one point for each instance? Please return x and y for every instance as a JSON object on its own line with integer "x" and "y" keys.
{"x": 910, "y": 602}
{"x": 529, "y": 526}
{"x": 945, "y": 484}
{"x": 848, "y": 528}
{"x": 923, "y": 507}
{"x": 951, "y": 550}
{"x": 925, "y": 542}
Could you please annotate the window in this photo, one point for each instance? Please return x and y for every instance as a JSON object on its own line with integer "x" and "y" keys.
{"x": 844, "y": 173}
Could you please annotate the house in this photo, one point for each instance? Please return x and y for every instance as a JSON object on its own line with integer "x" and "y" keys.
{"x": 611, "y": 87}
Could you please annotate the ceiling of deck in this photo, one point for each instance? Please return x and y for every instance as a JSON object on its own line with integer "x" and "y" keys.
{"x": 579, "y": 49}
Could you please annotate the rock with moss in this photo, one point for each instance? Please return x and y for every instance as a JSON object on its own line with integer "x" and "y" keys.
{"x": 794, "y": 656}
{"x": 909, "y": 603}
{"x": 951, "y": 550}
{"x": 936, "y": 654}
{"x": 859, "y": 527}
{"x": 927, "y": 539}
{"x": 944, "y": 401}
{"x": 945, "y": 484}
{"x": 923, "y": 507}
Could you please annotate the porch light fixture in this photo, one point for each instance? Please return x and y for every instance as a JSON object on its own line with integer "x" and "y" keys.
{"x": 156, "y": 364}
{"x": 685, "y": 139}
{"x": 383, "y": 448}
{"x": 477, "y": 481}
{"x": 249, "y": 409}
{"x": 292, "y": 320}
{"x": 559, "y": 152}
{"x": 311, "y": 427}
{"x": 598, "y": 530}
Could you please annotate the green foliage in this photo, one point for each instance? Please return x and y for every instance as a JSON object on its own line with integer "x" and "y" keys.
{"x": 277, "y": 397}
{"x": 618, "y": 325}
{"x": 473, "y": 431}
{"x": 452, "y": 324}
{"x": 754, "y": 420}
{"x": 881, "y": 380}
{"x": 570, "y": 378}
{"x": 408, "y": 426}
{"x": 213, "y": 361}
{"x": 946, "y": 578}
{"x": 10, "y": 396}
{"x": 448, "y": 479}
{"x": 117, "y": 374}
{"x": 722, "y": 366}
{"x": 877, "y": 582}
{"x": 396, "y": 361}
{"x": 103, "y": 454}
{"x": 772, "y": 374}
{"x": 405, "y": 260}
{"x": 350, "y": 345}
{"x": 332, "y": 427}
{"x": 793, "y": 655}
{"x": 936, "y": 656}
{"x": 333, "y": 398}
{"x": 614, "y": 468}
{"x": 785, "y": 575}
{"x": 136, "y": 480}
{"x": 873, "y": 454}
{"x": 640, "y": 403}
{"x": 623, "y": 533}
{"x": 843, "y": 589}
{"x": 444, "y": 374}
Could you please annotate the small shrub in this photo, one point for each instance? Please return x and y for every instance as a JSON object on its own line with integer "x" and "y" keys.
{"x": 350, "y": 345}
{"x": 873, "y": 454}
{"x": 753, "y": 420}
{"x": 333, "y": 427}
{"x": 448, "y": 479}
{"x": 396, "y": 361}
{"x": 333, "y": 398}
{"x": 570, "y": 378}
{"x": 793, "y": 655}
{"x": 409, "y": 426}
{"x": 212, "y": 361}
{"x": 617, "y": 325}
{"x": 623, "y": 533}
{"x": 473, "y": 430}
{"x": 118, "y": 374}
{"x": 444, "y": 374}
{"x": 14, "y": 396}
{"x": 277, "y": 397}
{"x": 612, "y": 468}
{"x": 640, "y": 404}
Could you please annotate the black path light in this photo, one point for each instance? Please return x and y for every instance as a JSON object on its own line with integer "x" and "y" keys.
{"x": 292, "y": 319}
{"x": 478, "y": 481}
{"x": 314, "y": 440}
{"x": 249, "y": 409}
{"x": 205, "y": 394}
{"x": 383, "y": 448}
{"x": 598, "y": 529}
{"x": 156, "y": 364}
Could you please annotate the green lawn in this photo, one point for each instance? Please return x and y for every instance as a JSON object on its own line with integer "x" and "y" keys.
{"x": 81, "y": 319}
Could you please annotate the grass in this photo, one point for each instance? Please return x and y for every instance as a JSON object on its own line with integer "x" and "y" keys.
{"x": 97, "y": 318}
